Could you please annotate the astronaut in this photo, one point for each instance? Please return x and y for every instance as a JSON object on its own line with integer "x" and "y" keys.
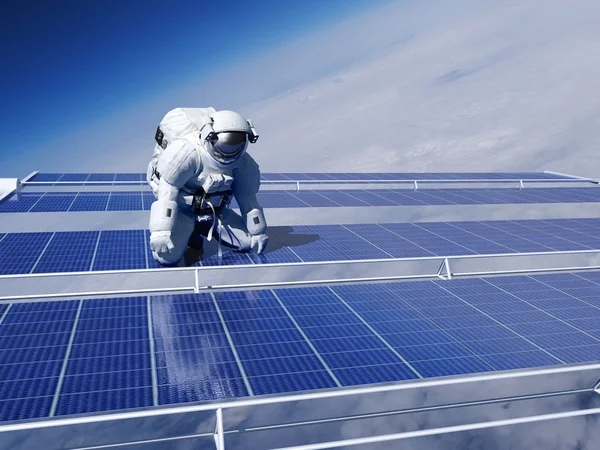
{"x": 199, "y": 163}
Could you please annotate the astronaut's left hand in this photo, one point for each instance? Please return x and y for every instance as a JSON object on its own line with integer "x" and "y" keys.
{"x": 260, "y": 241}
{"x": 161, "y": 242}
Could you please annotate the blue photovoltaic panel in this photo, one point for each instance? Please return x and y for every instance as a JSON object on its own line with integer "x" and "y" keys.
{"x": 297, "y": 369}
{"x": 101, "y": 177}
{"x": 228, "y": 258}
{"x": 129, "y": 249}
{"x": 120, "y": 201}
{"x": 90, "y": 201}
{"x": 279, "y": 199}
{"x": 277, "y": 252}
{"x": 131, "y": 200}
{"x": 19, "y": 252}
{"x": 194, "y": 361}
{"x": 334, "y": 243}
{"x": 46, "y": 177}
{"x": 68, "y": 252}
{"x": 70, "y": 179}
{"x": 109, "y": 365}
{"x": 120, "y": 249}
{"x": 19, "y": 203}
{"x": 341, "y": 198}
{"x": 74, "y": 177}
{"x": 50, "y": 177}
{"x": 274, "y": 177}
{"x": 235, "y": 344}
{"x": 78, "y": 179}
{"x": 148, "y": 198}
{"x": 312, "y": 198}
{"x": 54, "y": 203}
{"x": 129, "y": 177}
{"x": 370, "y": 198}
{"x": 416, "y": 176}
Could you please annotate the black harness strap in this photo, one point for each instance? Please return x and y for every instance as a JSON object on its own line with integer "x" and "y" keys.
{"x": 200, "y": 196}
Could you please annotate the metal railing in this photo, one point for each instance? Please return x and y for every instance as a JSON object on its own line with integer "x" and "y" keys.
{"x": 197, "y": 279}
{"x": 413, "y": 182}
{"x": 558, "y": 178}
{"x": 455, "y": 382}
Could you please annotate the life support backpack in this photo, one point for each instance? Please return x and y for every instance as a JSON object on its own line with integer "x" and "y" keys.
{"x": 181, "y": 121}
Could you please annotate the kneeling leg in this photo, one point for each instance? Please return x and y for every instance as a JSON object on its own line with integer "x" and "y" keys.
{"x": 180, "y": 235}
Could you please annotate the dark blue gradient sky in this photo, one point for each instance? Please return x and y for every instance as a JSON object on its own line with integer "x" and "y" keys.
{"x": 69, "y": 63}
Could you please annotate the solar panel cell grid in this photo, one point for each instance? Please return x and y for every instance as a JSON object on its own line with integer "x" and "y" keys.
{"x": 120, "y": 249}
{"x": 125, "y": 201}
{"x": 262, "y": 342}
{"x": 19, "y": 203}
{"x": 90, "y": 202}
{"x": 311, "y": 198}
{"x": 28, "y": 247}
{"x": 71, "y": 179}
{"x": 129, "y": 249}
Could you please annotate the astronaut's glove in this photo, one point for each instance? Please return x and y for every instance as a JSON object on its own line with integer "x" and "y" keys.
{"x": 160, "y": 242}
{"x": 260, "y": 242}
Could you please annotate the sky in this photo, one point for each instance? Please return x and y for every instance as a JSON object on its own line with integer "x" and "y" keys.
{"x": 464, "y": 85}
{"x": 74, "y": 65}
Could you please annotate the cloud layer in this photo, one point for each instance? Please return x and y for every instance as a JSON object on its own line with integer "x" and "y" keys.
{"x": 469, "y": 86}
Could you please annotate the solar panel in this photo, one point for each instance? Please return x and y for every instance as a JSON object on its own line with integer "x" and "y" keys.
{"x": 419, "y": 176}
{"x": 63, "y": 358}
{"x": 80, "y": 356}
{"x": 78, "y": 179}
{"x": 20, "y": 252}
{"x": 95, "y": 177}
{"x": 22, "y": 203}
{"x": 121, "y": 201}
{"x": 129, "y": 178}
{"x": 92, "y": 201}
{"x": 120, "y": 249}
{"x": 53, "y": 203}
{"x": 138, "y": 200}
{"x": 68, "y": 252}
{"x": 129, "y": 249}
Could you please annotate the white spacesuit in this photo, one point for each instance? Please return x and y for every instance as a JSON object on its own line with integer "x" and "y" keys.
{"x": 199, "y": 163}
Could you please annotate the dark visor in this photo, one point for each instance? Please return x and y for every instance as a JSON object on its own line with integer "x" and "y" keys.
{"x": 229, "y": 144}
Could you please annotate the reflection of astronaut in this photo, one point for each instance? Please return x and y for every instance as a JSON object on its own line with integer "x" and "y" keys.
{"x": 199, "y": 163}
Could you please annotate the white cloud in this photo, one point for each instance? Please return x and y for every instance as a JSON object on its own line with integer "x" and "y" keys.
{"x": 501, "y": 86}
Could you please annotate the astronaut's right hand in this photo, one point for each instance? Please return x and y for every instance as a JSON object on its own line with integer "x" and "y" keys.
{"x": 260, "y": 242}
{"x": 160, "y": 242}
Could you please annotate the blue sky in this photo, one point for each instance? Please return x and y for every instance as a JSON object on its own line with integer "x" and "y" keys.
{"x": 74, "y": 63}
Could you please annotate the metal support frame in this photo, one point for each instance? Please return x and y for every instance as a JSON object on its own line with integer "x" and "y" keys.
{"x": 313, "y": 182}
{"x": 445, "y": 273}
{"x": 178, "y": 279}
{"x": 196, "y": 281}
{"x": 219, "y": 435}
{"x": 566, "y": 381}
{"x": 415, "y": 185}
{"x": 29, "y": 177}
{"x": 574, "y": 177}
{"x": 520, "y": 185}
{"x": 444, "y": 430}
